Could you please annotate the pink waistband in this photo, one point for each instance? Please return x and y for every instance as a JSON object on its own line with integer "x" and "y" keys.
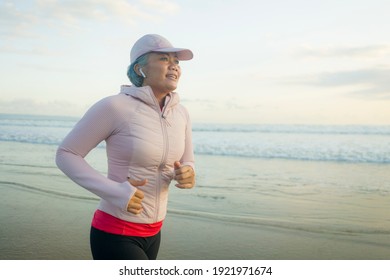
{"x": 108, "y": 223}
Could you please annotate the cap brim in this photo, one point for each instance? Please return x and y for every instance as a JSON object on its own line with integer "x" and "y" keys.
{"x": 182, "y": 54}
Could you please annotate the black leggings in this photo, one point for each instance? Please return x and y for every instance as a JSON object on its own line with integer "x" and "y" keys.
{"x": 107, "y": 246}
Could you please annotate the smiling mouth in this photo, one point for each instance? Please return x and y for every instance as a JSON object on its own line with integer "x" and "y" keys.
{"x": 172, "y": 77}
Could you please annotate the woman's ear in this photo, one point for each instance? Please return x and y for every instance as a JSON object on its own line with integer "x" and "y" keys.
{"x": 139, "y": 71}
{"x": 142, "y": 73}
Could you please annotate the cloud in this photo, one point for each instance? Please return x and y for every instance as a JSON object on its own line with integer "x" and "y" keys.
{"x": 373, "y": 51}
{"x": 72, "y": 12}
{"x": 8, "y": 48}
{"x": 232, "y": 104}
{"x": 199, "y": 102}
{"x": 30, "y": 106}
{"x": 373, "y": 82}
{"x": 24, "y": 18}
{"x": 368, "y": 81}
{"x": 165, "y": 7}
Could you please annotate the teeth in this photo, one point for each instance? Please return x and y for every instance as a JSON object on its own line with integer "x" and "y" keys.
{"x": 172, "y": 76}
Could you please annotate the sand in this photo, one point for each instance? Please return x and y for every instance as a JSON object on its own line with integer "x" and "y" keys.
{"x": 42, "y": 226}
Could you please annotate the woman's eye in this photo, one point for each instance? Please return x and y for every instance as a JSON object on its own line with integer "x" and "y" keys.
{"x": 166, "y": 58}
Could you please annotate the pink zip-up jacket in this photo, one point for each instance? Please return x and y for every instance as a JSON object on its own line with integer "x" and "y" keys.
{"x": 142, "y": 141}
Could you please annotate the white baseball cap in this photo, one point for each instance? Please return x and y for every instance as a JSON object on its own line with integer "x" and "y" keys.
{"x": 157, "y": 43}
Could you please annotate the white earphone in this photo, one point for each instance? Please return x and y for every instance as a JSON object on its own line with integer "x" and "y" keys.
{"x": 142, "y": 73}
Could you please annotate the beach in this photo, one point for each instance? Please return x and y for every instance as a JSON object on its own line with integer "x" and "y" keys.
{"x": 46, "y": 216}
{"x": 243, "y": 208}
{"x": 49, "y": 227}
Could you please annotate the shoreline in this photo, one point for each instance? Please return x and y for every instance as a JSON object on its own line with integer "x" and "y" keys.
{"x": 38, "y": 226}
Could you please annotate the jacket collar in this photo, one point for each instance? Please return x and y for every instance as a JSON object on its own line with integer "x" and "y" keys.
{"x": 146, "y": 95}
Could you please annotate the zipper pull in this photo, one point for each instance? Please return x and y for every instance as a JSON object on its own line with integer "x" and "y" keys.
{"x": 165, "y": 120}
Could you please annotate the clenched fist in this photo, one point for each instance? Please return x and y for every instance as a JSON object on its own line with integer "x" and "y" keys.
{"x": 135, "y": 203}
{"x": 184, "y": 175}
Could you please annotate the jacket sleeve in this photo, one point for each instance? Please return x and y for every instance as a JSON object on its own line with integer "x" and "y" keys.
{"x": 188, "y": 155}
{"x": 97, "y": 125}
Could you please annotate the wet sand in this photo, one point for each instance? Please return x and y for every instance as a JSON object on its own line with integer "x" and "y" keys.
{"x": 36, "y": 225}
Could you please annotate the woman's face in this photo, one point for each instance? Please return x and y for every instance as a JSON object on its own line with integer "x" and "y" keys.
{"x": 162, "y": 72}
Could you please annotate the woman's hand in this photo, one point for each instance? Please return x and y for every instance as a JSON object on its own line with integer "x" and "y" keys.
{"x": 184, "y": 175}
{"x": 134, "y": 206}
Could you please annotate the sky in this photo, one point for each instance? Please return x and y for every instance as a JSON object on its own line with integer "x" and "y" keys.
{"x": 257, "y": 62}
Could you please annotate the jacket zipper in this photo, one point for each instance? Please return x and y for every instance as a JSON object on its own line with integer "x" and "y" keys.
{"x": 164, "y": 122}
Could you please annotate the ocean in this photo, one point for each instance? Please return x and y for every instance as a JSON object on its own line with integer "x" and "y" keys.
{"x": 343, "y": 143}
{"x": 324, "y": 179}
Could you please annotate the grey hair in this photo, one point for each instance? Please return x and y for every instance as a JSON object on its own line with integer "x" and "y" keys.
{"x": 136, "y": 79}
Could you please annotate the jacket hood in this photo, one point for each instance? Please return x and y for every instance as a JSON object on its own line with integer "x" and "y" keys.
{"x": 146, "y": 95}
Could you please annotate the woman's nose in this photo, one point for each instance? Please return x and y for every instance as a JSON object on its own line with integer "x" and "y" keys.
{"x": 173, "y": 66}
